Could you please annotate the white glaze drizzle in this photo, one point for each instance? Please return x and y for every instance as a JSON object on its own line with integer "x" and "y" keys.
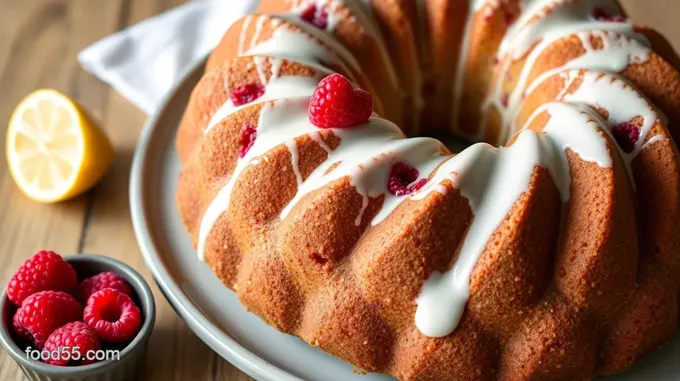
{"x": 283, "y": 120}
{"x": 363, "y": 16}
{"x": 617, "y": 53}
{"x": 477, "y": 5}
{"x": 334, "y": 45}
{"x": 280, "y": 87}
{"x": 368, "y": 168}
{"x": 295, "y": 159}
{"x": 284, "y": 44}
{"x": 654, "y": 139}
{"x": 295, "y": 46}
{"x": 259, "y": 67}
{"x": 622, "y": 102}
{"x": 558, "y": 19}
{"x": 259, "y": 25}
{"x": 242, "y": 36}
{"x": 334, "y": 16}
{"x": 276, "y": 125}
{"x": 493, "y": 179}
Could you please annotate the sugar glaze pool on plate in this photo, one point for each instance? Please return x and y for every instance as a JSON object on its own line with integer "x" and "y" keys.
{"x": 211, "y": 310}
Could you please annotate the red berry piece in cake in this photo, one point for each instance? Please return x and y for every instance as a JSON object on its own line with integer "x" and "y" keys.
{"x": 45, "y": 311}
{"x": 600, "y": 15}
{"x": 101, "y": 281}
{"x": 509, "y": 18}
{"x": 627, "y": 135}
{"x": 505, "y": 99}
{"x": 45, "y": 270}
{"x": 112, "y": 315}
{"x": 246, "y": 93}
{"x": 336, "y": 104}
{"x": 248, "y": 136}
{"x": 74, "y": 339}
{"x": 402, "y": 180}
{"x": 317, "y": 16}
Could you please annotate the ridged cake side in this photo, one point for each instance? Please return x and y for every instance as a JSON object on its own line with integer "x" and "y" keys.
{"x": 555, "y": 257}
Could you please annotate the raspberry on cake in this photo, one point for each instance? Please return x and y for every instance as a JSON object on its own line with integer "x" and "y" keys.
{"x": 600, "y": 15}
{"x": 248, "y": 136}
{"x": 627, "y": 135}
{"x": 246, "y": 94}
{"x": 335, "y": 104}
{"x": 403, "y": 180}
{"x": 317, "y": 16}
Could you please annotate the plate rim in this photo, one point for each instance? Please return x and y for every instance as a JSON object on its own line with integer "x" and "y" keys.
{"x": 223, "y": 344}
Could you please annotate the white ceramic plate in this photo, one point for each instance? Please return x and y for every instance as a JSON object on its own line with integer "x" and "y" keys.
{"x": 211, "y": 310}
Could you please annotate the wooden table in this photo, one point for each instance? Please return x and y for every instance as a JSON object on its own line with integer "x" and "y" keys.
{"x": 39, "y": 40}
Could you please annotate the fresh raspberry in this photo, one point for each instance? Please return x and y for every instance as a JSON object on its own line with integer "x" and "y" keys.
{"x": 401, "y": 176}
{"x": 45, "y": 311}
{"x": 101, "y": 281}
{"x": 626, "y": 134}
{"x": 112, "y": 315}
{"x": 246, "y": 93}
{"x": 248, "y": 135}
{"x": 18, "y": 327}
{"x": 316, "y": 16}
{"x": 600, "y": 15}
{"x": 335, "y": 104}
{"x": 72, "y": 338}
{"x": 43, "y": 271}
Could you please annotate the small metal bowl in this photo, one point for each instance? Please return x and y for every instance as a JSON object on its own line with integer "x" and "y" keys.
{"x": 125, "y": 367}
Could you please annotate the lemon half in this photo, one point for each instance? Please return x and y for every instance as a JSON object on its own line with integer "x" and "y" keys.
{"x": 54, "y": 150}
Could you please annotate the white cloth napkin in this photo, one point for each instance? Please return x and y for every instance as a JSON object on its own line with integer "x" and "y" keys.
{"x": 144, "y": 61}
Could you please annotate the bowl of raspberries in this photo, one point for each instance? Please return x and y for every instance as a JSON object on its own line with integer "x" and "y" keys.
{"x": 81, "y": 317}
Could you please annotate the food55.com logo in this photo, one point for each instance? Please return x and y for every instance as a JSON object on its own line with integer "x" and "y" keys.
{"x": 68, "y": 354}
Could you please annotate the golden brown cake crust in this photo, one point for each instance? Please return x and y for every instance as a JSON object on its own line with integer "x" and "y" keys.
{"x": 566, "y": 288}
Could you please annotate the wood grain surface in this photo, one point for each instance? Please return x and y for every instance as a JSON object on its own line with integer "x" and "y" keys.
{"x": 39, "y": 40}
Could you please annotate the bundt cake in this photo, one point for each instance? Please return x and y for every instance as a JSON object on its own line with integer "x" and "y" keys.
{"x": 549, "y": 249}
